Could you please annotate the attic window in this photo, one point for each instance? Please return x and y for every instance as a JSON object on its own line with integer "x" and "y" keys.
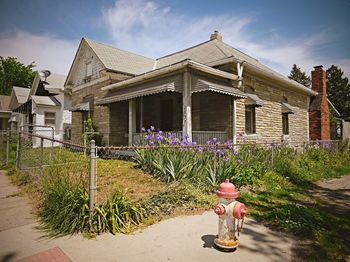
{"x": 88, "y": 69}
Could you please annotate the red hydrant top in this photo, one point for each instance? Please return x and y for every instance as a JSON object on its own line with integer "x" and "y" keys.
{"x": 227, "y": 190}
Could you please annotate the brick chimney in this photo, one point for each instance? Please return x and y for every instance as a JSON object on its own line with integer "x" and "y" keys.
{"x": 216, "y": 35}
{"x": 319, "y": 127}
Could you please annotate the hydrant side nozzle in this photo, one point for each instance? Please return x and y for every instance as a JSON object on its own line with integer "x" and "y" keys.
{"x": 239, "y": 210}
{"x": 219, "y": 210}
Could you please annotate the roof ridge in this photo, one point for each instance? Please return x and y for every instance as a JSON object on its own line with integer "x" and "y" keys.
{"x": 108, "y": 45}
{"x": 240, "y": 51}
{"x": 183, "y": 50}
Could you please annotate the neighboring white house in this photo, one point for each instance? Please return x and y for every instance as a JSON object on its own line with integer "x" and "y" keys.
{"x": 47, "y": 108}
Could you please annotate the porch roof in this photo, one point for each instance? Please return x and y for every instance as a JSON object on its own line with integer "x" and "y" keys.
{"x": 129, "y": 93}
{"x": 171, "y": 68}
{"x": 205, "y": 85}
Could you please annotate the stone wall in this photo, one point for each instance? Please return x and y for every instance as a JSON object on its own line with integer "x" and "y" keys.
{"x": 269, "y": 116}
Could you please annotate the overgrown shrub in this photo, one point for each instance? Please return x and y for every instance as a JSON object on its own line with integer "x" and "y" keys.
{"x": 64, "y": 209}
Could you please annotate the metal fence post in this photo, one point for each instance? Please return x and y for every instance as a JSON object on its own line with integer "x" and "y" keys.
{"x": 41, "y": 156}
{"x": 18, "y": 150}
{"x": 92, "y": 176}
{"x": 7, "y": 146}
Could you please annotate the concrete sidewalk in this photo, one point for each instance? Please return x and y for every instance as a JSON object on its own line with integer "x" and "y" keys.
{"x": 178, "y": 239}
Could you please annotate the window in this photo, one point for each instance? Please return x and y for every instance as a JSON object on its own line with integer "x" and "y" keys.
{"x": 285, "y": 125}
{"x": 88, "y": 69}
{"x": 250, "y": 119}
{"x": 50, "y": 118}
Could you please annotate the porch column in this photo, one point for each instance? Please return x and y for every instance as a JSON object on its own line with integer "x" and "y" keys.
{"x": 141, "y": 112}
{"x": 132, "y": 120}
{"x": 234, "y": 115}
{"x": 187, "y": 107}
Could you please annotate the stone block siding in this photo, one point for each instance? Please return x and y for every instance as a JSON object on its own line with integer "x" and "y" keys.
{"x": 76, "y": 130}
{"x": 269, "y": 116}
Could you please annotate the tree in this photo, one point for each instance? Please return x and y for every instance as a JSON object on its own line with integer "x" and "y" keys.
{"x": 338, "y": 90}
{"x": 299, "y": 76}
{"x": 14, "y": 73}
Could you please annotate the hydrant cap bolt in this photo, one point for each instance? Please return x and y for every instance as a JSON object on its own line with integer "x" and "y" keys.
{"x": 227, "y": 190}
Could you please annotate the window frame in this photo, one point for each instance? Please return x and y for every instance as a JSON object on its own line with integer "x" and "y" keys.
{"x": 50, "y": 118}
{"x": 285, "y": 124}
{"x": 251, "y": 129}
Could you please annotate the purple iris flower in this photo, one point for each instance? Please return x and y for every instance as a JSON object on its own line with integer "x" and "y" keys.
{"x": 143, "y": 130}
{"x": 227, "y": 159}
{"x": 152, "y": 128}
{"x": 235, "y": 153}
{"x": 238, "y": 161}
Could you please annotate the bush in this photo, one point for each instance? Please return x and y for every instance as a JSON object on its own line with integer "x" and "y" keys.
{"x": 64, "y": 209}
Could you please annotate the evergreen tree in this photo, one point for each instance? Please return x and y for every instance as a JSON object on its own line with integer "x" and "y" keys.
{"x": 299, "y": 76}
{"x": 338, "y": 90}
{"x": 14, "y": 73}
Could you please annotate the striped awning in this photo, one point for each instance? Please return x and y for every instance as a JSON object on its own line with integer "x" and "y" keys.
{"x": 129, "y": 93}
{"x": 205, "y": 85}
{"x": 81, "y": 107}
{"x": 253, "y": 99}
{"x": 287, "y": 108}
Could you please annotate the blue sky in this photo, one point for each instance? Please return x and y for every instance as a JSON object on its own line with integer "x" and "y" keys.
{"x": 278, "y": 33}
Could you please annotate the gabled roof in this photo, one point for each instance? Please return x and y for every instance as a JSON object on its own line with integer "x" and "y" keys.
{"x": 206, "y": 52}
{"x": 4, "y": 103}
{"x": 214, "y": 50}
{"x": 53, "y": 83}
{"x": 119, "y": 60}
{"x": 21, "y": 94}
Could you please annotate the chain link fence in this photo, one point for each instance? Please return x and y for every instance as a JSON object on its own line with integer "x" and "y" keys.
{"x": 103, "y": 169}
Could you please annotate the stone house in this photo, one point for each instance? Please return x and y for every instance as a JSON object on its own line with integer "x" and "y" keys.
{"x": 208, "y": 90}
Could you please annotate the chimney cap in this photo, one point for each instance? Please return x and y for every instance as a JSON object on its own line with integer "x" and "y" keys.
{"x": 319, "y": 67}
{"x": 216, "y": 35}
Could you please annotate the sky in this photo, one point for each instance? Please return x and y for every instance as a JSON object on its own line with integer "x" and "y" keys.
{"x": 277, "y": 33}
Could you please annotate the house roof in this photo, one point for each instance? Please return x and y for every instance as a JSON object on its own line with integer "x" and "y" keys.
{"x": 46, "y": 100}
{"x": 21, "y": 93}
{"x": 4, "y": 103}
{"x": 54, "y": 81}
{"x": 119, "y": 60}
{"x": 213, "y": 51}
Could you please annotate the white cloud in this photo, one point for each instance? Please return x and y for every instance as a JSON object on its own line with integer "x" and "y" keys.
{"x": 47, "y": 51}
{"x": 152, "y": 30}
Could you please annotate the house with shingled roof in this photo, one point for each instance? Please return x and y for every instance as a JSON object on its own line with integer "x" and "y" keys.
{"x": 205, "y": 91}
{"x": 43, "y": 109}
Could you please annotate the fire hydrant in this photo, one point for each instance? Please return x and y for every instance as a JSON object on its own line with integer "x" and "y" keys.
{"x": 231, "y": 216}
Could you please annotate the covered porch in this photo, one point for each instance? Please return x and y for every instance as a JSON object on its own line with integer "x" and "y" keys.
{"x": 186, "y": 103}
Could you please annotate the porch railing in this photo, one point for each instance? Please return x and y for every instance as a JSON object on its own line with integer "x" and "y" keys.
{"x": 200, "y": 137}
